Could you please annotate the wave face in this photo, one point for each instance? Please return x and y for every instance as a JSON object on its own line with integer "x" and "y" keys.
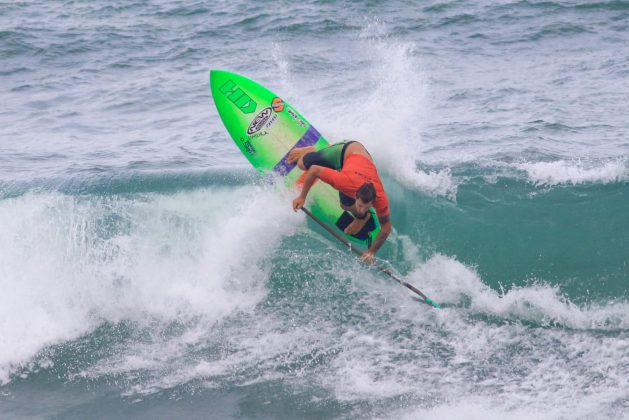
{"x": 146, "y": 271}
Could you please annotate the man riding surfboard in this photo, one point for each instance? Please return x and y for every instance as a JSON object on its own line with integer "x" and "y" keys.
{"x": 348, "y": 168}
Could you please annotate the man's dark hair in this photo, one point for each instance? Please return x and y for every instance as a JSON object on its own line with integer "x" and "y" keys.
{"x": 366, "y": 192}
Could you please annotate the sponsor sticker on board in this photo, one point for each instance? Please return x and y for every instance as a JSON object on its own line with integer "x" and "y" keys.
{"x": 277, "y": 104}
{"x": 293, "y": 114}
{"x": 259, "y": 121}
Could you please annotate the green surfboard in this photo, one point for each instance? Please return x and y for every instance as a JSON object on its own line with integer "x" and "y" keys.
{"x": 266, "y": 128}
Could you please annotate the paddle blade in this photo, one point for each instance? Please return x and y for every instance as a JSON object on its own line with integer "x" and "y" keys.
{"x": 433, "y": 303}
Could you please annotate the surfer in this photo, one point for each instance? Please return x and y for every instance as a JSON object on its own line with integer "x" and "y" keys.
{"x": 348, "y": 168}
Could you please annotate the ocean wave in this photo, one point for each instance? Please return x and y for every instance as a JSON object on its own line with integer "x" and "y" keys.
{"x": 558, "y": 30}
{"x": 574, "y": 172}
{"x": 603, "y": 5}
{"x": 218, "y": 288}
{"x": 79, "y": 261}
{"x": 542, "y": 304}
{"x": 137, "y": 282}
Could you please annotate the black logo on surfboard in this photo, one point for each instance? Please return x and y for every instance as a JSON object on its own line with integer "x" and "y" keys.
{"x": 259, "y": 121}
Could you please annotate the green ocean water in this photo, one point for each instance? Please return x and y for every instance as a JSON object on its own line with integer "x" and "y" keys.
{"x": 148, "y": 272}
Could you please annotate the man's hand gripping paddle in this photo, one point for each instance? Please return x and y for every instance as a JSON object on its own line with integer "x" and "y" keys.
{"x": 423, "y": 298}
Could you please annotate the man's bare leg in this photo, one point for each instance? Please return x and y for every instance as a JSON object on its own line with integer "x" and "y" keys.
{"x": 357, "y": 224}
{"x": 297, "y": 155}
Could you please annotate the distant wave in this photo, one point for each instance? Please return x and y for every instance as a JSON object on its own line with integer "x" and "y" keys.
{"x": 575, "y": 172}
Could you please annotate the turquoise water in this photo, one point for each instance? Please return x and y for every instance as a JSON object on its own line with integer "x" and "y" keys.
{"x": 147, "y": 272}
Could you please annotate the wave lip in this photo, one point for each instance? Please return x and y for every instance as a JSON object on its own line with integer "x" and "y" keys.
{"x": 574, "y": 172}
{"x": 452, "y": 282}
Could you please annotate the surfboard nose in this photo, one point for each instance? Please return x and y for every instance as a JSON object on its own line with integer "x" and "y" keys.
{"x": 214, "y": 76}
{"x": 217, "y": 75}
{"x": 221, "y": 74}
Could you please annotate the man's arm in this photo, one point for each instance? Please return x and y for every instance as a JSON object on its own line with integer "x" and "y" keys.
{"x": 385, "y": 230}
{"x": 311, "y": 176}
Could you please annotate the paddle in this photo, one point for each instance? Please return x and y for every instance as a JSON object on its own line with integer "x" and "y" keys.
{"x": 425, "y": 299}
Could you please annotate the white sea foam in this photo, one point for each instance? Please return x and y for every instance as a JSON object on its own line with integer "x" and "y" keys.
{"x": 386, "y": 115}
{"x": 475, "y": 356}
{"x": 476, "y": 410}
{"x": 68, "y": 263}
{"x": 448, "y": 362}
{"x": 392, "y": 115}
{"x": 453, "y": 281}
{"x": 574, "y": 172}
{"x": 486, "y": 408}
{"x": 457, "y": 365}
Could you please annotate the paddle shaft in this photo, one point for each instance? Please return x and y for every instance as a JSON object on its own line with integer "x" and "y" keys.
{"x": 359, "y": 252}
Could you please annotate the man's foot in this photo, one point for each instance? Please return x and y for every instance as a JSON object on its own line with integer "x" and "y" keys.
{"x": 296, "y": 154}
{"x": 355, "y": 227}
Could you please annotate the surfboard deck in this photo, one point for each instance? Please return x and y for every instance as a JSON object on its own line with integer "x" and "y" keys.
{"x": 266, "y": 128}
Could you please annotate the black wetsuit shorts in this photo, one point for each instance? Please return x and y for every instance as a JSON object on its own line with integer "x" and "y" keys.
{"x": 331, "y": 157}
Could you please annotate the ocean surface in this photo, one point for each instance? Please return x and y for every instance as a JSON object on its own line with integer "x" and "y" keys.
{"x": 146, "y": 271}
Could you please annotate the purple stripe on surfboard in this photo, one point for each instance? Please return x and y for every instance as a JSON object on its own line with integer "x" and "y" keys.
{"x": 309, "y": 138}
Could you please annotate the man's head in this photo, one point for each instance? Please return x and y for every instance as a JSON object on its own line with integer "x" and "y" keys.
{"x": 365, "y": 196}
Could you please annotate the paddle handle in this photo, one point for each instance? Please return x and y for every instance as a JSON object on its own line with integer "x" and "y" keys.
{"x": 357, "y": 251}
{"x": 333, "y": 232}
